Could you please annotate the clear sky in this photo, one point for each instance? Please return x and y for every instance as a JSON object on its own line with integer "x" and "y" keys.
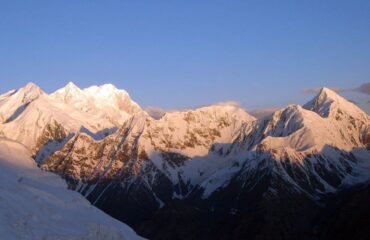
{"x": 177, "y": 54}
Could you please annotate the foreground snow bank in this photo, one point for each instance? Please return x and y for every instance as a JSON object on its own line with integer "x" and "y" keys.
{"x": 37, "y": 205}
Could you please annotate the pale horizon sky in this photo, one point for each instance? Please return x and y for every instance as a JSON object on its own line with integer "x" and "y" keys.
{"x": 177, "y": 55}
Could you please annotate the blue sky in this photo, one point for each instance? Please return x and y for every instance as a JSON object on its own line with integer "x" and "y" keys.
{"x": 178, "y": 54}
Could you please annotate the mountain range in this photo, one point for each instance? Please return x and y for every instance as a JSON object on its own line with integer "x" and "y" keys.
{"x": 214, "y": 172}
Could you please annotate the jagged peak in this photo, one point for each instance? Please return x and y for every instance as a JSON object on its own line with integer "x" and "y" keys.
{"x": 105, "y": 100}
{"x": 13, "y": 103}
{"x": 31, "y": 86}
{"x": 328, "y": 100}
{"x": 71, "y": 85}
{"x": 294, "y": 107}
{"x": 293, "y": 112}
{"x": 103, "y": 90}
{"x": 290, "y": 109}
{"x": 68, "y": 93}
{"x": 30, "y": 92}
{"x": 69, "y": 88}
{"x": 328, "y": 92}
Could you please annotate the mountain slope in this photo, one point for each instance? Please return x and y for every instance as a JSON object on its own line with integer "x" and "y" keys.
{"x": 37, "y": 205}
{"x": 163, "y": 159}
{"x": 181, "y": 135}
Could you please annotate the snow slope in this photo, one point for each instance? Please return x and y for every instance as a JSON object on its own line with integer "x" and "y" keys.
{"x": 37, "y": 205}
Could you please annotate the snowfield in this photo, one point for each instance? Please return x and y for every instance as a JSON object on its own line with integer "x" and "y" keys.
{"x": 35, "y": 204}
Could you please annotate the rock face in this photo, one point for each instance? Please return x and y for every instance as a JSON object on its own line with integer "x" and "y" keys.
{"x": 213, "y": 172}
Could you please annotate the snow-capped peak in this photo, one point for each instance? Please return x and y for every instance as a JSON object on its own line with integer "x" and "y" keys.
{"x": 327, "y": 102}
{"x": 30, "y": 92}
{"x": 14, "y": 102}
{"x": 25, "y": 94}
{"x": 317, "y": 124}
{"x": 327, "y": 94}
{"x": 115, "y": 105}
{"x": 108, "y": 96}
{"x": 107, "y": 88}
{"x": 71, "y": 86}
{"x": 105, "y": 91}
{"x": 69, "y": 94}
{"x": 30, "y": 85}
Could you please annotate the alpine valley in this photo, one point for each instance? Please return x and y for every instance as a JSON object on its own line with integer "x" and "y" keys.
{"x": 214, "y": 172}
